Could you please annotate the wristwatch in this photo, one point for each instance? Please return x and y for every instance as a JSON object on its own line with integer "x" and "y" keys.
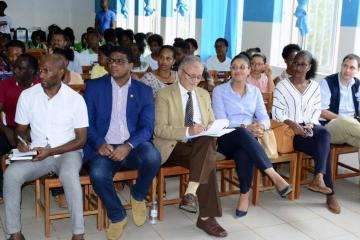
{"x": 243, "y": 126}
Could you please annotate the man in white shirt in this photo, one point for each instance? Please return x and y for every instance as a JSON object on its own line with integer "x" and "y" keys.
{"x": 340, "y": 97}
{"x": 57, "y": 117}
{"x": 89, "y": 56}
{"x": 220, "y": 62}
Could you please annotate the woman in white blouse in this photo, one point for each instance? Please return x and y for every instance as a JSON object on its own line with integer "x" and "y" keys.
{"x": 297, "y": 103}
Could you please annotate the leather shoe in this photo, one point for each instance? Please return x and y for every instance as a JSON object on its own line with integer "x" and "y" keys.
{"x": 138, "y": 209}
{"x": 78, "y": 237}
{"x": 333, "y": 205}
{"x": 16, "y": 236}
{"x": 189, "y": 203}
{"x": 314, "y": 186}
{"x": 211, "y": 227}
{"x": 115, "y": 230}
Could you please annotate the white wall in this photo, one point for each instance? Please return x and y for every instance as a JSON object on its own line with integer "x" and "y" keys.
{"x": 77, "y": 14}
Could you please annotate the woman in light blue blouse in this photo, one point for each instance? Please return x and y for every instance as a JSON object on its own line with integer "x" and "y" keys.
{"x": 242, "y": 104}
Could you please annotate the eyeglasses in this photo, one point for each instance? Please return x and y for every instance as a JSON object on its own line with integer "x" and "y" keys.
{"x": 193, "y": 77}
{"x": 117, "y": 61}
{"x": 241, "y": 67}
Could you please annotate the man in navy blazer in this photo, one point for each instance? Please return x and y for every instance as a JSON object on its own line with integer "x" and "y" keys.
{"x": 121, "y": 123}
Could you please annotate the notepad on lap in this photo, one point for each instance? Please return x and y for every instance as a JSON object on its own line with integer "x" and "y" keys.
{"x": 17, "y": 155}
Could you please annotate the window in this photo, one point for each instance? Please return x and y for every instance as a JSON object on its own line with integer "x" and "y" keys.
{"x": 150, "y": 23}
{"x": 185, "y": 25}
{"x": 128, "y": 23}
{"x": 322, "y": 38}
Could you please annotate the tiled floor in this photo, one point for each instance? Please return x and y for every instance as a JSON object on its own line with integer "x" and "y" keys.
{"x": 275, "y": 218}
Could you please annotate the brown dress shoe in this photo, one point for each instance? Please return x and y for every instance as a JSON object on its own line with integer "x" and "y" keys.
{"x": 316, "y": 187}
{"x": 333, "y": 205}
{"x": 16, "y": 236}
{"x": 211, "y": 227}
{"x": 78, "y": 237}
{"x": 189, "y": 203}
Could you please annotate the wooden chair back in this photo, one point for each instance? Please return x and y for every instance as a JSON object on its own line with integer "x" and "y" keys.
{"x": 268, "y": 100}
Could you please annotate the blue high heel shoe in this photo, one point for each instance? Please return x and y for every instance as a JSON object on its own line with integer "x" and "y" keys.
{"x": 239, "y": 213}
{"x": 284, "y": 192}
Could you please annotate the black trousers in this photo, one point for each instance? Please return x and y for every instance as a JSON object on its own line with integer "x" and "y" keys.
{"x": 247, "y": 152}
{"x": 318, "y": 147}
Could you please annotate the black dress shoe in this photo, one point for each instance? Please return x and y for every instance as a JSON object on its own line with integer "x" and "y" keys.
{"x": 16, "y": 237}
{"x": 189, "y": 203}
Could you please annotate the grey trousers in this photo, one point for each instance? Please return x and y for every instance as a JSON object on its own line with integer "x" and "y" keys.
{"x": 67, "y": 166}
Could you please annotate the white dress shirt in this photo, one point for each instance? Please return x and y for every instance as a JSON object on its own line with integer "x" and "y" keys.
{"x": 52, "y": 120}
{"x": 346, "y": 105}
{"x": 196, "y": 107}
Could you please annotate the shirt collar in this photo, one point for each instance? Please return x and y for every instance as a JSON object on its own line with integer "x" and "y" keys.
{"x": 127, "y": 84}
{"x": 248, "y": 87}
{"x": 183, "y": 90}
{"x": 352, "y": 82}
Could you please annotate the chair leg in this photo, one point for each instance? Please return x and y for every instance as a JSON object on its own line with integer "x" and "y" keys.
{"x": 87, "y": 197}
{"x": 153, "y": 190}
{"x": 334, "y": 167}
{"x": 292, "y": 177}
{"x": 160, "y": 191}
{"x": 223, "y": 181}
{"x": 37, "y": 198}
{"x": 182, "y": 186}
{"x": 99, "y": 214}
{"x": 47, "y": 209}
{"x": 298, "y": 175}
{"x": 231, "y": 176}
{"x": 106, "y": 219}
{"x": 255, "y": 190}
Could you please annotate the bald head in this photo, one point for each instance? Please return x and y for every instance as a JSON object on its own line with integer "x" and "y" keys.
{"x": 52, "y": 70}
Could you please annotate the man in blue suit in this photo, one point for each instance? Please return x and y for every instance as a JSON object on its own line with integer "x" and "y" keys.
{"x": 121, "y": 123}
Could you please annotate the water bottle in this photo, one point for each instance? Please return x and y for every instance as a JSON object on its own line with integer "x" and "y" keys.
{"x": 153, "y": 218}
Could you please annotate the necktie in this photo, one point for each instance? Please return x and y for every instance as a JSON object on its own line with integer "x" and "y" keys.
{"x": 189, "y": 111}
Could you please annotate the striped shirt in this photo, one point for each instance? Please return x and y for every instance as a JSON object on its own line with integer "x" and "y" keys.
{"x": 289, "y": 103}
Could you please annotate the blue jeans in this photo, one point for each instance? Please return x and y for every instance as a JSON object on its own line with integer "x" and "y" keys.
{"x": 145, "y": 158}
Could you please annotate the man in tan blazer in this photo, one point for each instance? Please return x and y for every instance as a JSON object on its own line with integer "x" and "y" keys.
{"x": 181, "y": 111}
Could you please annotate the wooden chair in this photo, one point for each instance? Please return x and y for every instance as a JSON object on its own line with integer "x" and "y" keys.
{"x": 86, "y": 69}
{"x": 37, "y": 52}
{"x": 168, "y": 171}
{"x": 86, "y": 76}
{"x": 130, "y": 175}
{"x": 268, "y": 100}
{"x": 50, "y": 182}
{"x": 292, "y": 158}
{"x": 336, "y": 150}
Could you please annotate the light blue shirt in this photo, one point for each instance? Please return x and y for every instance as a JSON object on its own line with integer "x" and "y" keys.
{"x": 239, "y": 109}
{"x": 346, "y": 105}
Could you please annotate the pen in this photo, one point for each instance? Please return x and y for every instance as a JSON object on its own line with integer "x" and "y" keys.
{"x": 21, "y": 140}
